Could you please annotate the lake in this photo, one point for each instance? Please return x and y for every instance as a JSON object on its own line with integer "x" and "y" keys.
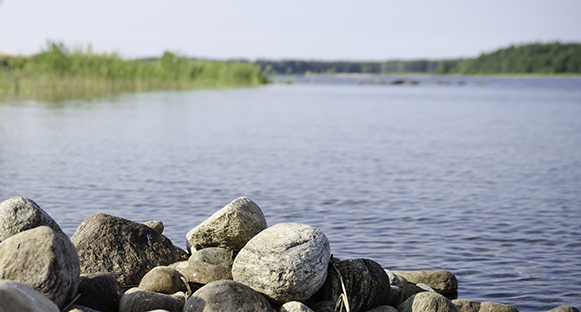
{"x": 480, "y": 176}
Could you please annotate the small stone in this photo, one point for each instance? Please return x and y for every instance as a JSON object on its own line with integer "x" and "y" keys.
{"x": 227, "y": 295}
{"x": 465, "y": 305}
{"x": 325, "y": 306}
{"x": 202, "y": 272}
{"x": 19, "y": 214}
{"x": 138, "y": 300}
{"x": 81, "y": 308}
{"x": 393, "y": 279}
{"x": 99, "y": 291}
{"x": 230, "y": 227}
{"x": 156, "y": 225}
{"x": 383, "y": 308}
{"x": 286, "y": 262}
{"x": 295, "y": 306}
{"x": 164, "y": 280}
{"x": 427, "y": 302}
{"x": 496, "y": 307}
{"x": 44, "y": 260}
{"x": 19, "y": 297}
{"x": 564, "y": 309}
{"x": 214, "y": 255}
{"x": 437, "y": 279}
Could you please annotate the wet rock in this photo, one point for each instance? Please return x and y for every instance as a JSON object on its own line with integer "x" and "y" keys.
{"x": 230, "y": 227}
{"x": 495, "y": 307}
{"x": 125, "y": 248}
{"x": 564, "y": 309}
{"x": 441, "y": 281}
{"x": 465, "y": 305}
{"x": 16, "y": 296}
{"x": 164, "y": 280}
{"x": 202, "y": 272}
{"x": 214, "y": 255}
{"x": 156, "y": 225}
{"x": 366, "y": 284}
{"x": 427, "y": 302}
{"x": 227, "y": 295}
{"x": 19, "y": 214}
{"x": 44, "y": 260}
{"x": 99, "y": 291}
{"x": 286, "y": 262}
{"x": 139, "y": 300}
{"x": 295, "y": 306}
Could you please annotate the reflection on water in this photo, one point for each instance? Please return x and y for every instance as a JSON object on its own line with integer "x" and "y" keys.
{"x": 481, "y": 180}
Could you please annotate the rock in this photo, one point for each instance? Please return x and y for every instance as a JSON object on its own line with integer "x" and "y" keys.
{"x": 80, "y": 308}
{"x": 324, "y": 306}
{"x": 156, "y": 225}
{"x": 393, "y": 279}
{"x": 125, "y": 248}
{"x": 286, "y": 262}
{"x": 440, "y": 281}
{"x": 165, "y": 280}
{"x": 383, "y": 308}
{"x": 230, "y": 227}
{"x": 564, "y": 309}
{"x": 19, "y": 214}
{"x": 214, "y": 255}
{"x": 495, "y": 307}
{"x": 139, "y": 300}
{"x": 427, "y": 302}
{"x": 465, "y": 305}
{"x": 44, "y": 260}
{"x": 425, "y": 287}
{"x": 366, "y": 284}
{"x": 202, "y": 272}
{"x": 295, "y": 306}
{"x": 226, "y": 295}
{"x": 99, "y": 291}
{"x": 16, "y": 296}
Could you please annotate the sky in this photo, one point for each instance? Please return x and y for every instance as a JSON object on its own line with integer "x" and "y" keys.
{"x": 308, "y": 30}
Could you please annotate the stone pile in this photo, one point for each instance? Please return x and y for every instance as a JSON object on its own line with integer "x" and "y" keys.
{"x": 234, "y": 262}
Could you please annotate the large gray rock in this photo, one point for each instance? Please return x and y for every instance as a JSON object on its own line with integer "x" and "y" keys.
{"x": 230, "y": 227}
{"x": 125, "y": 248}
{"x": 19, "y": 214}
{"x": 226, "y": 295}
{"x": 17, "y": 297}
{"x": 202, "y": 272}
{"x": 44, "y": 260}
{"x": 99, "y": 292}
{"x": 286, "y": 262}
{"x": 214, "y": 255}
{"x": 366, "y": 284}
{"x": 139, "y": 300}
{"x": 164, "y": 280}
{"x": 295, "y": 306}
{"x": 439, "y": 280}
{"x": 427, "y": 302}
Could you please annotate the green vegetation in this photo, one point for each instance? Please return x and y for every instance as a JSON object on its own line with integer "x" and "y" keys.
{"x": 58, "y": 71}
{"x": 535, "y": 58}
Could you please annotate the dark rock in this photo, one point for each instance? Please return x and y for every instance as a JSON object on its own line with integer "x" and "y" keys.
{"x": 383, "y": 308}
{"x": 214, "y": 255}
{"x": 427, "y": 302}
{"x": 226, "y": 295}
{"x": 99, "y": 291}
{"x": 19, "y": 214}
{"x": 139, "y": 300}
{"x": 16, "y": 296}
{"x": 202, "y": 272}
{"x": 564, "y": 309}
{"x": 156, "y": 225}
{"x": 230, "y": 227}
{"x": 164, "y": 280}
{"x": 325, "y": 306}
{"x": 286, "y": 262}
{"x": 125, "y": 248}
{"x": 44, "y": 260}
{"x": 366, "y": 284}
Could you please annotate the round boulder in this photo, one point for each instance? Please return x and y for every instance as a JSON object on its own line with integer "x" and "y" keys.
{"x": 16, "y": 296}
{"x": 99, "y": 291}
{"x": 213, "y": 255}
{"x": 202, "y": 272}
{"x": 295, "y": 306}
{"x": 138, "y": 300}
{"x": 19, "y": 214}
{"x": 163, "y": 280}
{"x": 286, "y": 262}
{"x": 427, "y": 302}
{"x": 226, "y": 295}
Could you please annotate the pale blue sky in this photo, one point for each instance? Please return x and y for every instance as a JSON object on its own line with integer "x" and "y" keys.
{"x": 298, "y": 29}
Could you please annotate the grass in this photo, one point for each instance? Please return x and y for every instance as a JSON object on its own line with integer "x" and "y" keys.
{"x": 58, "y": 71}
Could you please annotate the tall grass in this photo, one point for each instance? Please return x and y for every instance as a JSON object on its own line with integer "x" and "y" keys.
{"x": 58, "y": 70}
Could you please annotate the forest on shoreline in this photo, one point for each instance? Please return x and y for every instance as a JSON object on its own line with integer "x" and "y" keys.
{"x": 533, "y": 58}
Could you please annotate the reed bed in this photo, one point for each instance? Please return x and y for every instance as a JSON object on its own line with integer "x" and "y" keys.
{"x": 58, "y": 71}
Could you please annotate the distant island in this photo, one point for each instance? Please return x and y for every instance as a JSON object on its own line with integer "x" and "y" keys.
{"x": 533, "y": 58}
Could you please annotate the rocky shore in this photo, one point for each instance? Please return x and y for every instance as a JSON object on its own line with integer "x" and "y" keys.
{"x": 234, "y": 262}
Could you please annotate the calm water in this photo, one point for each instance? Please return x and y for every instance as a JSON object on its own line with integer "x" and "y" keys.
{"x": 480, "y": 178}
